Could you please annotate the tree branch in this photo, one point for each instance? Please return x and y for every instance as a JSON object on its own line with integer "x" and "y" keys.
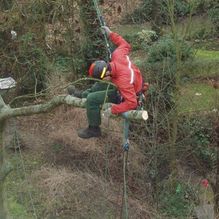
{"x": 7, "y": 112}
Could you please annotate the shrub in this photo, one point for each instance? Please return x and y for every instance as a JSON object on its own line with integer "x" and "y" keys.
{"x": 214, "y": 16}
{"x": 197, "y": 134}
{"x": 142, "y": 39}
{"x": 141, "y": 14}
{"x": 177, "y": 200}
{"x": 32, "y": 67}
{"x": 146, "y": 9}
{"x": 162, "y": 65}
{"x": 165, "y": 49}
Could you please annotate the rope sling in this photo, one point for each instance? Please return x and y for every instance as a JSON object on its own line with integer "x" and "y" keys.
{"x": 125, "y": 127}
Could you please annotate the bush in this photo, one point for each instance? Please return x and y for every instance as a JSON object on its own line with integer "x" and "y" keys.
{"x": 197, "y": 134}
{"x": 162, "y": 65}
{"x": 177, "y": 200}
{"x": 214, "y": 16}
{"x": 32, "y": 67}
{"x": 142, "y": 39}
{"x": 165, "y": 49}
{"x": 146, "y": 9}
{"x": 201, "y": 6}
{"x": 141, "y": 14}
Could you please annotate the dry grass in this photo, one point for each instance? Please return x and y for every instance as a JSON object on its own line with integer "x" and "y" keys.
{"x": 72, "y": 183}
{"x": 82, "y": 195}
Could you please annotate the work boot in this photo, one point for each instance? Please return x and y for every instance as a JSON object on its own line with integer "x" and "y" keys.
{"x": 73, "y": 91}
{"x": 91, "y": 131}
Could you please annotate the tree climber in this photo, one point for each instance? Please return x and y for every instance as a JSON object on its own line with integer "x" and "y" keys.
{"x": 121, "y": 72}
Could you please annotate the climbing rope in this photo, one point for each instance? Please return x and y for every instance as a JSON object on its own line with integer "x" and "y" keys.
{"x": 106, "y": 171}
{"x": 125, "y": 161}
{"x": 102, "y": 23}
{"x": 126, "y": 127}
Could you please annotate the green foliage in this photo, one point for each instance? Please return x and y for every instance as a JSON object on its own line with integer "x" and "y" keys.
{"x": 17, "y": 210}
{"x": 198, "y": 135}
{"x": 177, "y": 200}
{"x": 94, "y": 45}
{"x": 141, "y": 14}
{"x": 213, "y": 14}
{"x": 33, "y": 62}
{"x": 162, "y": 59}
{"x": 146, "y": 10}
{"x": 142, "y": 39}
{"x": 202, "y": 32}
{"x": 165, "y": 49}
{"x": 63, "y": 63}
{"x": 6, "y": 4}
{"x": 201, "y": 6}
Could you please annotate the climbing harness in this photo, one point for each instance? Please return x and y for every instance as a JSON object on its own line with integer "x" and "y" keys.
{"x": 102, "y": 23}
{"x": 141, "y": 96}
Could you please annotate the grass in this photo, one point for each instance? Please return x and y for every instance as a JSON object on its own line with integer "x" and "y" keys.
{"x": 207, "y": 54}
{"x": 197, "y": 97}
{"x": 17, "y": 188}
{"x": 200, "y": 68}
{"x": 128, "y": 29}
{"x": 17, "y": 210}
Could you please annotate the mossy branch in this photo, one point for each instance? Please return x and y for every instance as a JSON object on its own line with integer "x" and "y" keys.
{"x": 8, "y": 112}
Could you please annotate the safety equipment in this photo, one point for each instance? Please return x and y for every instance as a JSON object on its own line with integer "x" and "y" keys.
{"x": 98, "y": 69}
{"x": 90, "y": 132}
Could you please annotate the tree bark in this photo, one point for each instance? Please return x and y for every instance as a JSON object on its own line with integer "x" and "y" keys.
{"x": 8, "y": 112}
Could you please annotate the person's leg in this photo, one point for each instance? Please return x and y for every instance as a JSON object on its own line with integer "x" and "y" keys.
{"x": 93, "y": 106}
{"x": 94, "y": 103}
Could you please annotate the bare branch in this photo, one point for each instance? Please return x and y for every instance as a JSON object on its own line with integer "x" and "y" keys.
{"x": 7, "y": 112}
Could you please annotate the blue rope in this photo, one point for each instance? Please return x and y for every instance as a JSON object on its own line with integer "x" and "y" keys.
{"x": 126, "y": 133}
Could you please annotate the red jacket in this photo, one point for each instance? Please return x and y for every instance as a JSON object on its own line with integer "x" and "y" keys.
{"x": 125, "y": 75}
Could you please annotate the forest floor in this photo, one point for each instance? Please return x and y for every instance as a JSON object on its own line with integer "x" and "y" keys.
{"x": 59, "y": 175}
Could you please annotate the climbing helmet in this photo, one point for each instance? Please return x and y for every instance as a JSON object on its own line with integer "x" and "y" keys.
{"x": 98, "y": 69}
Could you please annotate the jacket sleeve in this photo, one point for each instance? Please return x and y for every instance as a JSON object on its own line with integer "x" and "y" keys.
{"x": 123, "y": 47}
{"x": 130, "y": 100}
